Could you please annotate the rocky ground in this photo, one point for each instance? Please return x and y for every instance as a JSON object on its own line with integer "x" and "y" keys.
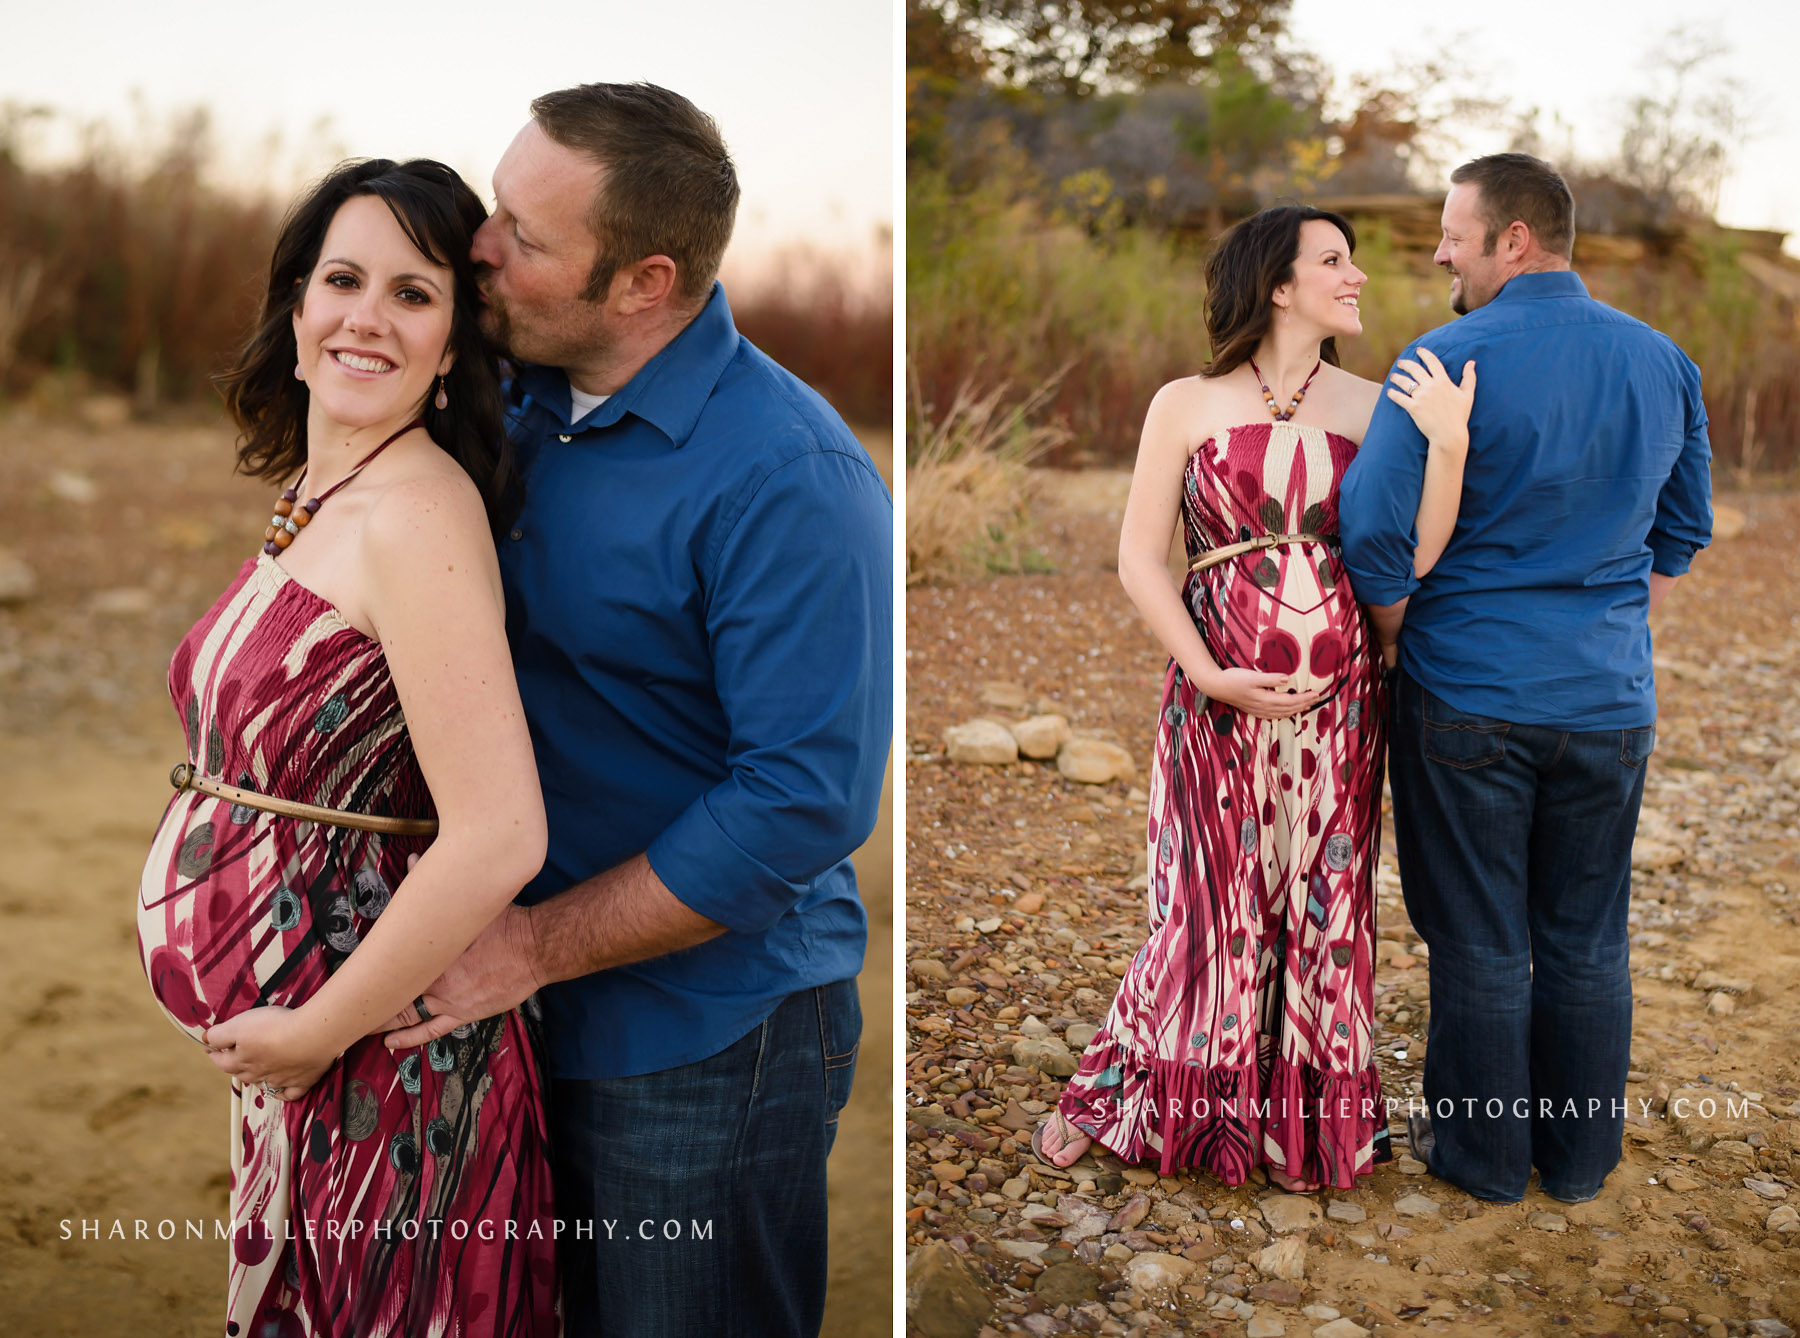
{"x": 114, "y": 537}
{"x": 1024, "y": 908}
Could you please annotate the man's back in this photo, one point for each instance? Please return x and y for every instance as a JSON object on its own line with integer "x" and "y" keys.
{"x": 1587, "y": 469}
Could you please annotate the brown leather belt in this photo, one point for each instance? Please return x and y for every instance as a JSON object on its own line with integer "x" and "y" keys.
{"x": 1212, "y": 557}
{"x": 184, "y": 777}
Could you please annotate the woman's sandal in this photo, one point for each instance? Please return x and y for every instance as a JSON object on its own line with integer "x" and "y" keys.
{"x": 1068, "y": 1134}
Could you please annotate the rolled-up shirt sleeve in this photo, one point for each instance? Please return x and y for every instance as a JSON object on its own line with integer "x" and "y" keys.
{"x": 799, "y": 615}
{"x": 1683, "y": 524}
{"x": 1378, "y": 505}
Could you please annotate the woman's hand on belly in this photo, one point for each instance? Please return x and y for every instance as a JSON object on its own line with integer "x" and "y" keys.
{"x": 1265, "y": 696}
{"x": 270, "y": 1047}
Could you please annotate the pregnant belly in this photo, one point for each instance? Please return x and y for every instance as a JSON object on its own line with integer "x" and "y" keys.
{"x": 222, "y": 916}
{"x": 1283, "y": 611}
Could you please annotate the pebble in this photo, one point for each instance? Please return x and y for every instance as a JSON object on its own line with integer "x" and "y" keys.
{"x": 1265, "y": 1326}
{"x": 1409, "y": 1165}
{"x": 1278, "y": 1292}
{"x": 1080, "y": 1035}
{"x": 1415, "y": 1205}
{"x": 929, "y": 968}
{"x": 1342, "y": 1210}
{"x": 1319, "y": 1312}
{"x": 959, "y": 996}
{"x": 981, "y": 743}
{"x": 18, "y": 582}
{"x": 1029, "y": 903}
{"x": 1785, "y": 1220}
{"x": 1721, "y": 1005}
{"x": 1548, "y": 1221}
{"x": 1340, "y": 1328}
{"x": 1770, "y": 1328}
{"x": 1768, "y": 1189}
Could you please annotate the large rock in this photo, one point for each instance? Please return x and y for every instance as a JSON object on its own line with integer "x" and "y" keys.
{"x": 1155, "y": 1273}
{"x": 943, "y": 1299}
{"x": 1285, "y": 1259}
{"x": 1288, "y": 1212}
{"x": 1047, "y": 1055}
{"x": 1094, "y": 761}
{"x": 1041, "y": 736}
{"x": 18, "y": 582}
{"x": 981, "y": 742}
{"x": 1068, "y": 1284}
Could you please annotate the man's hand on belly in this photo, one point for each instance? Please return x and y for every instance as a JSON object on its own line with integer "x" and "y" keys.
{"x": 495, "y": 973}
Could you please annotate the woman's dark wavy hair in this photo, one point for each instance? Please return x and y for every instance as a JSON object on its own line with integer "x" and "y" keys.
{"x": 1243, "y": 272}
{"x": 439, "y": 215}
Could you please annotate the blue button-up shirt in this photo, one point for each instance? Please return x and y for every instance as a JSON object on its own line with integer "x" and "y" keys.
{"x": 1587, "y": 470}
{"x": 700, "y": 603}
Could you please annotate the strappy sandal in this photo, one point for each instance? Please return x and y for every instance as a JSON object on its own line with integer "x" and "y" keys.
{"x": 1068, "y": 1133}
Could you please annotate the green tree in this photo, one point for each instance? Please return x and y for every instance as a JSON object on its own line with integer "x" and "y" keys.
{"x": 1075, "y": 47}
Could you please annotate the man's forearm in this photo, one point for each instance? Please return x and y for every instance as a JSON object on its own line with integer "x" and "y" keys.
{"x": 1387, "y": 619}
{"x": 1660, "y": 586}
{"x": 623, "y": 915}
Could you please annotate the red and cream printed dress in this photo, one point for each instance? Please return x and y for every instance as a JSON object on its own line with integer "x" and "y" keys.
{"x": 408, "y": 1192}
{"x": 1240, "y": 1034}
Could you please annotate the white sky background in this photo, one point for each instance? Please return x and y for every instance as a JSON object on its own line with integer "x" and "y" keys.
{"x": 1581, "y": 59}
{"x": 802, "y": 89}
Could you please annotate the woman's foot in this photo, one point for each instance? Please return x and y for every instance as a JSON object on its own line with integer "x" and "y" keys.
{"x": 1290, "y": 1184}
{"x": 1059, "y": 1142}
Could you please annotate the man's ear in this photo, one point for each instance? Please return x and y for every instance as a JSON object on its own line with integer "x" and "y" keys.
{"x": 645, "y": 285}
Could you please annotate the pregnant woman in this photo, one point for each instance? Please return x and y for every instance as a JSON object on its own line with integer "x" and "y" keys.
{"x": 1240, "y": 1035}
{"x": 358, "y": 666}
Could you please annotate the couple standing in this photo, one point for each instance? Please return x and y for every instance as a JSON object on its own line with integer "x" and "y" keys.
{"x": 1509, "y": 546}
{"x": 615, "y": 631}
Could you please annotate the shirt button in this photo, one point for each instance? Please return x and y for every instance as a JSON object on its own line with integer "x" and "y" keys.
{"x": 562, "y": 436}
{"x": 516, "y": 535}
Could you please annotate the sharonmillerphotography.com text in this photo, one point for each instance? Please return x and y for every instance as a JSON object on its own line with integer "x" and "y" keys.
{"x": 1493, "y": 1108}
{"x": 201, "y": 1228}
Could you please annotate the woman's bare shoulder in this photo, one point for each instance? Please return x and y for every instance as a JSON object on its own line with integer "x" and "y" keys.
{"x": 426, "y": 495}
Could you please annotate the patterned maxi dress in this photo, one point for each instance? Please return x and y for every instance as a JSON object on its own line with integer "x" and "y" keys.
{"x": 407, "y": 1193}
{"x": 1241, "y": 1032}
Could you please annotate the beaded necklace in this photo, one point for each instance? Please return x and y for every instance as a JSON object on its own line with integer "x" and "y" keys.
{"x": 287, "y": 522}
{"x": 1269, "y": 395}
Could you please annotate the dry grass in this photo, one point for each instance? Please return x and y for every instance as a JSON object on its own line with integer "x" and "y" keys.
{"x": 969, "y": 483}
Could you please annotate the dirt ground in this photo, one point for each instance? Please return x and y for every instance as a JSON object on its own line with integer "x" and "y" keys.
{"x": 109, "y": 1114}
{"x": 1022, "y": 912}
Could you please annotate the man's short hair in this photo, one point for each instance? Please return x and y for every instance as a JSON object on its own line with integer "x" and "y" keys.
{"x": 669, "y": 186}
{"x": 1517, "y": 187}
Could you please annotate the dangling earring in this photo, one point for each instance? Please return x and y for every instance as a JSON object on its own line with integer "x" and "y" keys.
{"x": 442, "y": 401}
{"x": 1284, "y": 315}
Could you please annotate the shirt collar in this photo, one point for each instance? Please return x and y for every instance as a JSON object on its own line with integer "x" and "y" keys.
{"x": 670, "y": 390}
{"x": 1544, "y": 283}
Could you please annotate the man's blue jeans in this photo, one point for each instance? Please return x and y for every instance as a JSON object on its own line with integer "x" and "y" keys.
{"x": 1515, "y": 857}
{"x": 705, "y": 1184}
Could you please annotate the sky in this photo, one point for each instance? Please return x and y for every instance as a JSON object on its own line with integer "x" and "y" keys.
{"x": 802, "y": 89}
{"x": 1580, "y": 59}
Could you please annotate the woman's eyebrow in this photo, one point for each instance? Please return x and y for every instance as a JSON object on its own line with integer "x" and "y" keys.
{"x": 425, "y": 279}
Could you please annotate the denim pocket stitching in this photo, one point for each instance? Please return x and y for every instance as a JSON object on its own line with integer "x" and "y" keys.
{"x": 1625, "y": 737}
